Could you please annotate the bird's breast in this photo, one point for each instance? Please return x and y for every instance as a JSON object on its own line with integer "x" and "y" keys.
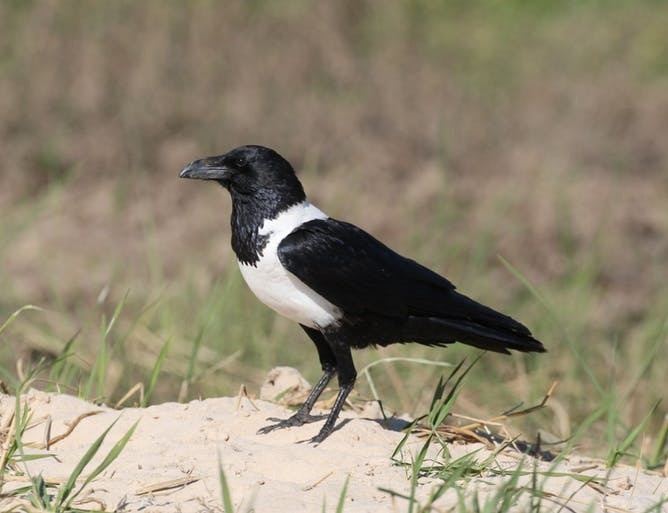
{"x": 285, "y": 293}
{"x": 278, "y": 288}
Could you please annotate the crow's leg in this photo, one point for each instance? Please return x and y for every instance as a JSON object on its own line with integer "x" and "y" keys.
{"x": 303, "y": 415}
{"x": 347, "y": 375}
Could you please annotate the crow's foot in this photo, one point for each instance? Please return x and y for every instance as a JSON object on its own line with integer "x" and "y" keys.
{"x": 298, "y": 419}
{"x": 324, "y": 433}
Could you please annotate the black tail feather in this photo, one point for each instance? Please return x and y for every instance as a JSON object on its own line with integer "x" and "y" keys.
{"x": 437, "y": 331}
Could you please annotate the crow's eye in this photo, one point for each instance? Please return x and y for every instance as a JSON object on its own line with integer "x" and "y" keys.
{"x": 240, "y": 162}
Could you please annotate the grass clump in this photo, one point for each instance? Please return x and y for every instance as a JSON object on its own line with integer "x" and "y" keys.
{"x": 64, "y": 498}
{"x": 41, "y": 495}
{"x": 524, "y": 483}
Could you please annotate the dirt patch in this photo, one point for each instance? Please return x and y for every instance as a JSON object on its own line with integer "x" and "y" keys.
{"x": 171, "y": 462}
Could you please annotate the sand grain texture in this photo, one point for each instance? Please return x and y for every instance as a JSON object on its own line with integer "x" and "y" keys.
{"x": 174, "y": 441}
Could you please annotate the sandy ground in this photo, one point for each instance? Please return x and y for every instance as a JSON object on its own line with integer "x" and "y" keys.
{"x": 273, "y": 473}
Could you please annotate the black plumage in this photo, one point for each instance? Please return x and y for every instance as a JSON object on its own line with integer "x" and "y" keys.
{"x": 346, "y": 288}
{"x": 388, "y": 298}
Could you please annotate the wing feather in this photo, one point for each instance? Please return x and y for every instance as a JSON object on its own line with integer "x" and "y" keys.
{"x": 358, "y": 273}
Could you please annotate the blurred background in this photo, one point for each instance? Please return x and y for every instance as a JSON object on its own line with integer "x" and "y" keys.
{"x": 463, "y": 134}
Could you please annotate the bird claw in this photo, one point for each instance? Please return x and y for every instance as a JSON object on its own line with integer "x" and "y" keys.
{"x": 274, "y": 419}
{"x": 268, "y": 429}
{"x": 317, "y": 439}
{"x": 294, "y": 421}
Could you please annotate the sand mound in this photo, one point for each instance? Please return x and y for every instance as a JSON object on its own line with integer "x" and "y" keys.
{"x": 171, "y": 461}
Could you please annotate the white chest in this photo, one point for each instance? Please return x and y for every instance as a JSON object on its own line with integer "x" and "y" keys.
{"x": 281, "y": 290}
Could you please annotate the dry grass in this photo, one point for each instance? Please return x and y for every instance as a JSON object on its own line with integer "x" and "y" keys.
{"x": 482, "y": 129}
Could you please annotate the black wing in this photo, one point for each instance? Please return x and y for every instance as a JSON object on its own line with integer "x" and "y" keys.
{"x": 359, "y": 274}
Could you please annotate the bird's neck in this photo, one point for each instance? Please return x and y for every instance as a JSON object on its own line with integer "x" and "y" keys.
{"x": 249, "y": 213}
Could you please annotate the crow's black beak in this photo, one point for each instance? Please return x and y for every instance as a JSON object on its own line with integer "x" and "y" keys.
{"x": 204, "y": 169}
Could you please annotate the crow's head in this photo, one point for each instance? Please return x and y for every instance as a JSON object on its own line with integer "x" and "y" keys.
{"x": 248, "y": 171}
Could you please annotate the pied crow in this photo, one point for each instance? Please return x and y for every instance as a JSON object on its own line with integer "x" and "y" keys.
{"x": 345, "y": 288}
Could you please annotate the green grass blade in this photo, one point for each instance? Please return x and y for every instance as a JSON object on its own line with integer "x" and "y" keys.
{"x": 108, "y": 460}
{"x": 157, "y": 367}
{"x": 416, "y": 470}
{"x": 116, "y": 314}
{"x": 342, "y": 496}
{"x": 661, "y": 442}
{"x": 658, "y": 507}
{"x": 507, "y": 495}
{"x": 18, "y": 312}
{"x": 22, "y": 417}
{"x": 228, "y": 507}
{"x": 405, "y": 359}
{"x": 97, "y": 376}
{"x": 372, "y": 385}
{"x": 33, "y": 457}
{"x": 440, "y": 387}
{"x": 59, "y": 363}
{"x": 442, "y": 409}
{"x": 192, "y": 360}
{"x": 626, "y": 444}
{"x": 40, "y": 496}
{"x": 408, "y": 430}
{"x": 66, "y": 489}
